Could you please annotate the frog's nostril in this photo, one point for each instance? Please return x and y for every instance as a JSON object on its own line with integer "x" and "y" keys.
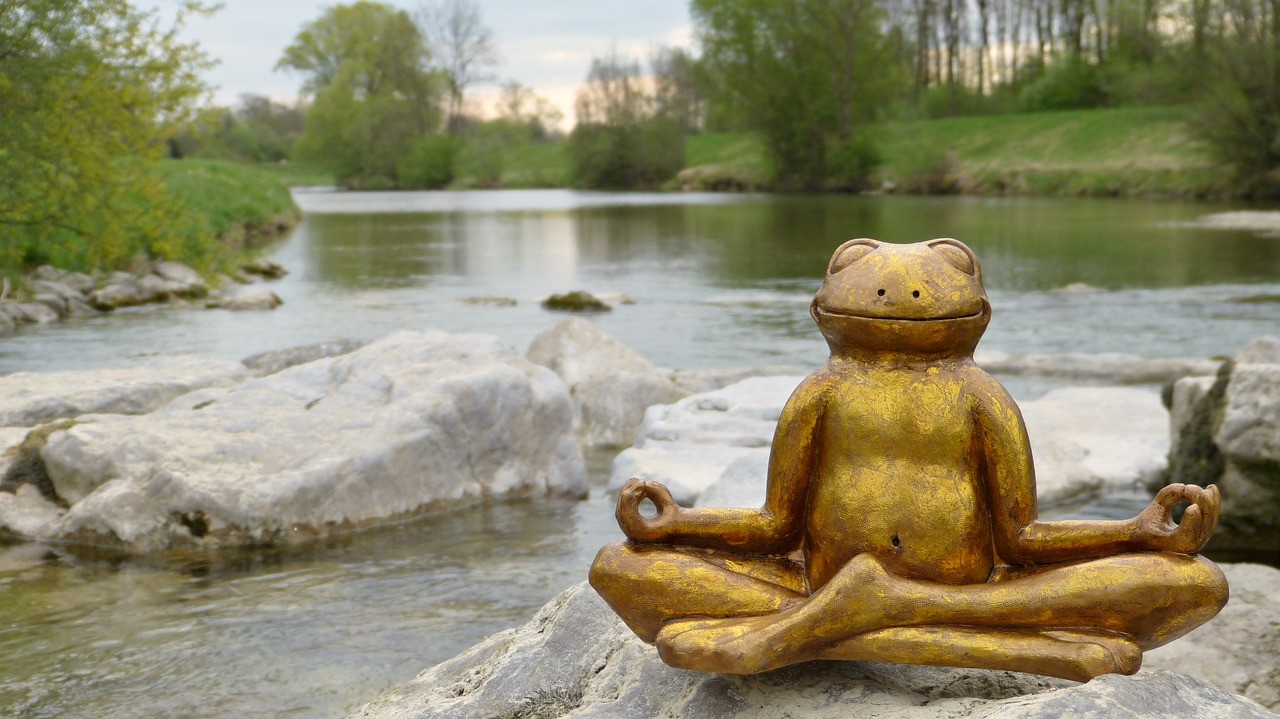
{"x": 881, "y": 293}
{"x": 915, "y": 293}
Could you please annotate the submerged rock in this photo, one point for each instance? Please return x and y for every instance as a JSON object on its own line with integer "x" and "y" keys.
{"x": 405, "y": 423}
{"x": 1227, "y": 432}
{"x": 576, "y": 659}
{"x": 31, "y": 398}
{"x": 576, "y": 301}
{"x": 1083, "y": 439}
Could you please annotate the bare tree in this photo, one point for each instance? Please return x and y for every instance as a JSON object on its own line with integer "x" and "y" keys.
{"x": 461, "y": 47}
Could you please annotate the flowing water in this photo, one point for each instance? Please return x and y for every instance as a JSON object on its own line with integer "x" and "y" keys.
{"x": 718, "y": 280}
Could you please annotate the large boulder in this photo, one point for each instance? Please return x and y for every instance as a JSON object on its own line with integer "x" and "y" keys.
{"x": 1227, "y": 431}
{"x": 576, "y": 659}
{"x": 31, "y": 398}
{"x": 407, "y": 423}
{"x": 611, "y": 385}
{"x": 1239, "y": 650}
{"x": 1083, "y": 439}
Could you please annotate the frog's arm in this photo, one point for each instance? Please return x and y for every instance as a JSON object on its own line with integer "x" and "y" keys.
{"x": 1020, "y": 537}
{"x": 771, "y": 529}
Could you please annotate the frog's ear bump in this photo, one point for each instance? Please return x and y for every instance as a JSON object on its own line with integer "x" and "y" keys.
{"x": 957, "y": 254}
{"x": 850, "y": 252}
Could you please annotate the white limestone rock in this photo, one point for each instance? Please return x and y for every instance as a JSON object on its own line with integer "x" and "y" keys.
{"x": 31, "y": 398}
{"x": 1227, "y": 431}
{"x": 1083, "y": 439}
{"x": 1092, "y": 439}
{"x": 611, "y": 385}
{"x": 1239, "y": 650}
{"x": 247, "y": 300}
{"x": 406, "y": 423}
{"x": 27, "y": 513}
{"x": 576, "y": 659}
{"x": 688, "y": 445}
{"x": 272, "y": 361}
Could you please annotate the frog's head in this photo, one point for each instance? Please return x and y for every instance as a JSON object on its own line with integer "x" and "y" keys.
{"x": 926, "y": 298}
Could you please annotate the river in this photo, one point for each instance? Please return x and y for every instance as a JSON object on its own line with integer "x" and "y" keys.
{"x": 718, "y": 280}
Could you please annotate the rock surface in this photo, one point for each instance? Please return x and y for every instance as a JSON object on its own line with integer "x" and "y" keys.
{"x": 1239, "y": 650}
{"x": 1084, "y": 439}
{"x": 272, "y": 361}
{"x": 611, "y": 385}
{"x": 576, "y": 659}
{"x": 246, "y": 300}
{"x": 31, "y": 398}
{"x": 1228, "y": 432}
{"x": 405, "y": 423}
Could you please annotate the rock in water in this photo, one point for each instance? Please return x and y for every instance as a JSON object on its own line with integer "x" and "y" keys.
{"x": 407, "y": 422}
{"x": 577, "y": 659}
{"x": 1227, "y": 431}
{"x": 31, "y": 398}
{"x": 611, "y": 384}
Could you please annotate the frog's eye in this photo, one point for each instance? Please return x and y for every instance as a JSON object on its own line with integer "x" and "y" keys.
{"x": 957, "y": 254}
{"x": 849, "y": 253}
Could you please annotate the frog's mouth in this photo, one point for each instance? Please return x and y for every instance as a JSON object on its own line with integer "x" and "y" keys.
{"x": 818, "y": 309}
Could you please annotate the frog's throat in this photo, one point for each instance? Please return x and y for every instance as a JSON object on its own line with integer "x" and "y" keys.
{"x": 850, "y": 334}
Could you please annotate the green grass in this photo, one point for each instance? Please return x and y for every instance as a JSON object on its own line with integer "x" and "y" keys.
{"x": 538, "y": 164}
{"x": 240, "y": 203}
{"x": 1123, "y": 151}
{"x": 297, "y": 174}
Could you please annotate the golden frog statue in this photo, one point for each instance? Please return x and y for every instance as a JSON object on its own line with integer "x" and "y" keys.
{"x": 900, "y": 519}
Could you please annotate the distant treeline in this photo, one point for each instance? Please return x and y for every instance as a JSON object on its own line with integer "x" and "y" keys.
{"x": 388, "y": 92}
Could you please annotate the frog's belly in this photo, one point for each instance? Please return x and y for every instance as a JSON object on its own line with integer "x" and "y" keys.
{"x": 922, "y": 521}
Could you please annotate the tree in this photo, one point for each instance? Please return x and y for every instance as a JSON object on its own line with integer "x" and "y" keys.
{"x": 1240, "y": 112}
{"x": 462, "y": 45}
{"x": 88, "y": 91}
{"x": 806, "y": 74}
{"x": 375, "y": 97}
{"x": 624, "y": 138}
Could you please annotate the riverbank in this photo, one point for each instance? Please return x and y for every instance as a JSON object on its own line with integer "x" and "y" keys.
{"x": 226, "y": 210}
{"x": 1111, "y": 152}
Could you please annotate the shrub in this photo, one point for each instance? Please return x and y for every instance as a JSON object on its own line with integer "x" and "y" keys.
{"x": 431, "y": 164}
{"x": 1067, "y": 84}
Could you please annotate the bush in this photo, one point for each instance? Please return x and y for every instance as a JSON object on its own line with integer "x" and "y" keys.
{"x": 645, "y": 154}
{"x": 851, "y": 162}
{"x": 1068, "y": 84}
{"x": 431, "y": 164}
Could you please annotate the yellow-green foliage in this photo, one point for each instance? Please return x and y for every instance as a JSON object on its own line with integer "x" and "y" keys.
{"x": 86, "y": 90}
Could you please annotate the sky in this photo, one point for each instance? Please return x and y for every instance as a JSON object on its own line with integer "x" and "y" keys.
{"x": 547, "y": 46}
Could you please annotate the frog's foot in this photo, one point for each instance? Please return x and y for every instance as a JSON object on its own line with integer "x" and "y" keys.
{"x": 1093, "y": 654}
{"x": 739, "y": 645}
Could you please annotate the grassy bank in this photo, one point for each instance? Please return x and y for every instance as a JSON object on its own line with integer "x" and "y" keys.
{"x": 1133, "y": 151}
{"x": 1136, "y": 151}
{"x": 240, "y": 205}
{"x": 1111, "y": 152}
{"x": 206, "y": 213}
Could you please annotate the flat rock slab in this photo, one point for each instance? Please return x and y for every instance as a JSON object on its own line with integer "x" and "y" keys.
{"x": 381, "y": 433}
{"x": 577, "y": 659}
{"x": 31, "y": 398}
{"x": 1083, "y": 439}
